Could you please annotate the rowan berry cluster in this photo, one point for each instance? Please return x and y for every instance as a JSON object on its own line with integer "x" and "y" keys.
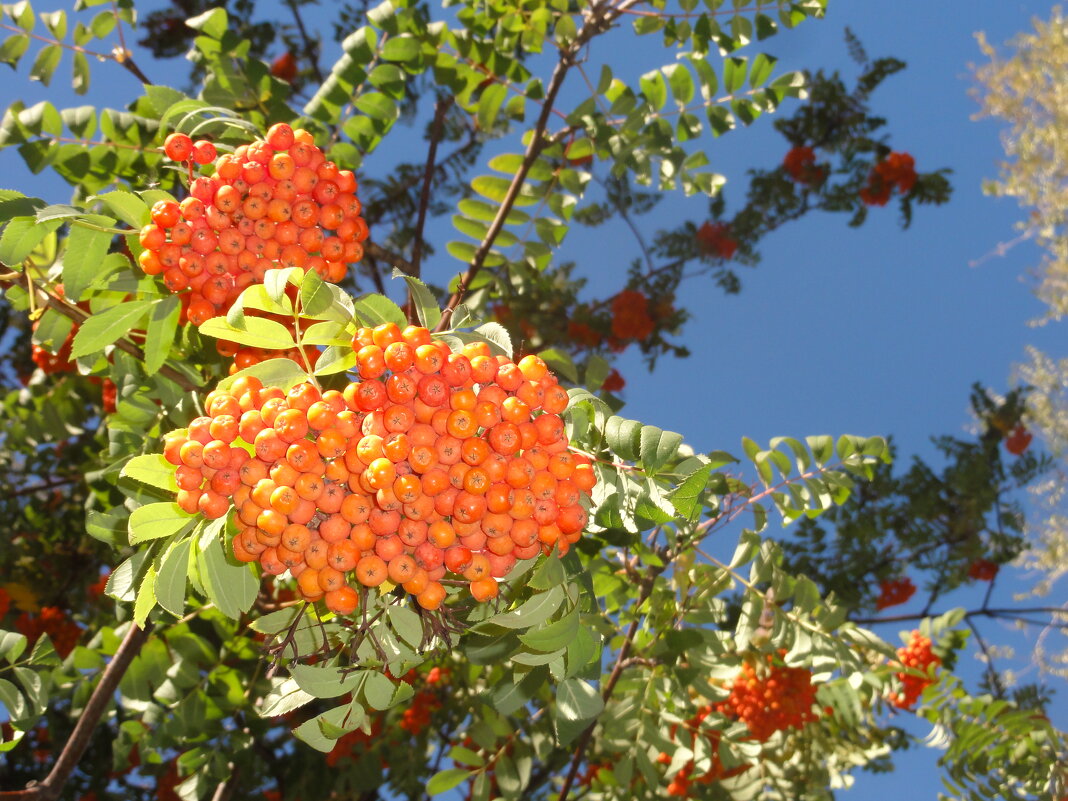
{"x": 276, "y": 202}
{"x": 681, "y": 783}
{"x": 896, "y": 171}
{"x": 58, "y": 362}
{"x": 777, "y": 698}
{"x": 434, "y": 462}
{"x": 1018, "y": 440}
{"x": 982, "y": 570}
{"x": 893, "y": 592}
{"x": 800, "y": 165}
{"x": 714, "y": 239}
{"x": 54, "y": 622}
{"x": 918, "y": 655}
{"x": 630, "y": 315}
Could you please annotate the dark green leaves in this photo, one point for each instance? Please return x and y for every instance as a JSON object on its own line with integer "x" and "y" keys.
{"x": 157, "y": 520}
{"x": 21, "y": 235}
{"x": 105, "y": 328}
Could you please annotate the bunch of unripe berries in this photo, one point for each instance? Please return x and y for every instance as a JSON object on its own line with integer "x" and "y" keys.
{"x": 276, "y": 202}
{"x": 776, "y": 698}
{"x": 434, "y": 462}
{"x": 919, "y": 655}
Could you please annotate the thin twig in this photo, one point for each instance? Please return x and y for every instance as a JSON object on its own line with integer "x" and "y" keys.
{"x": 995, "y": 680}
{"x": 599, "y": 19}
{"x": 441, "y": 108}
{"x": 376, "y": 251}
{"x": 51, "y": 787}
{"x": 311, "y": 49}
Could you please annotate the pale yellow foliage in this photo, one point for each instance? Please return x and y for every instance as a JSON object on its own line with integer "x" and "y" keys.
{"x": 1029, "y": 90}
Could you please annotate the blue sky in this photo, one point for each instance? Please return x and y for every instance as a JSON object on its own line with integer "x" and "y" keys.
{"x": 838, "y": 330}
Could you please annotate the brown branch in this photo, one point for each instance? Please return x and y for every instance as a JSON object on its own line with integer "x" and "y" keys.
{"x": 311, "y": 49}
{"x": 376, "y": 251}
{"x": 1011, "y": 614}
{"x": 45, "y": 486}
{"x": 372, "y": 266}
{"x": 69, "y": 310}
{"x": 437, "y": 128}
{"x": 126, "y": 59}
{"x": 610, "y": 685}
{"x": 600, "y": 18}
{"x": 56, "y": 42}
{"x": 52, "y": 786}
{"x": 374, "y": 209}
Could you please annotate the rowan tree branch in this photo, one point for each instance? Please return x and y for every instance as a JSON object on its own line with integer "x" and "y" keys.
{"x": 437, "y": 128}
{"x": 51, "y": 787}
{"x": 376, "y": 251}
{"x": 311, "y": 49}
{"x": 599, "y": 19}
{"x": 1006, "y": 613}
{"x": 79, "y": 316}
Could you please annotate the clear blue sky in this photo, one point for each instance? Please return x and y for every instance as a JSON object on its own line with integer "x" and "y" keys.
{"x": 869, "y": 331}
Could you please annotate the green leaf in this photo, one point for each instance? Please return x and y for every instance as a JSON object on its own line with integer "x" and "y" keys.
{"x": 400, "y": 48}
{"x": 315, "y": 294}
{"x": 407, "y": 624}
{"x": 653, "y": 87}
{"x": 162, "y": 332}
{"x": 531, "y": 612}
{"x": 378, "y": 691}
{"x": 335, "y": 359}
{"x": 258, "y": 332}
{"x": 151, "y": 469}
{"x": 445, "y": 780}
{"x": 326, "y": 682}
{"x": 734, "y": 70}
{"x": 13, "y": 49}
{"x": 560, "y": 362}
{"x": 284, "y": 373}
{"x": 211, "y": 23}
{"x": 173, "y": 573}
{"x": 84, "y": 252}
{"x": 426, "y": 305}
{"x": 681, "y": 83}
{"x": 44, "y": 66}
{"x": 127, "y": 206}
{"x": 285, "y": 696}
{"x": 658, "y": 447}
{"x": 623, "y": 436}
{"x": 12, "y": 645}
{"x": 686, "y": 497}
{"x": 21, "y": 236}
{"x": 277, "y": 281}
{"x": 489, "y": 105}
{"x": 377, "y": 106}
{"x": 496, "y": 334}
{"x": 156, "y": 520}
{"x": 146, "y": 597}
{"x": 126, "y": 576}
{"x": 377, "y": 309}
{"x": 578, "y": 700}
{"x": 554, "y": 636}
{"x": 760, "y": 71}
{"x": 232, "y": 588}
{"x": 105, "y": 328}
